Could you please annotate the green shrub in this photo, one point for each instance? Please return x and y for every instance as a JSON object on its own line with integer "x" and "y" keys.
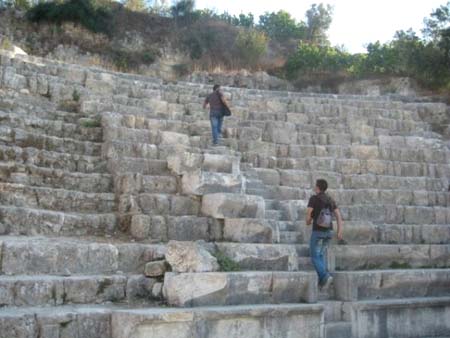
{"x": 125, "y": 60}
{"x": 251, "y": 45}
{"x": 75, "y": 95}
{"x": 149, "y": 56}
{"x": 6, "y": 44}
{"x": 211, "y": 41}
{"x": 400, "y": 266}
{"x": 182, "y": 69}
{"x": 90, "y": 123}
{"x": 84, "y": 12}
{"x": 311, "y": 58}
{"x": 226, "y": 263}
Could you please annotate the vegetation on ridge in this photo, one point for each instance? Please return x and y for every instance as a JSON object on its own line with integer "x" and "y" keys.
{"x": 275, "y": 42}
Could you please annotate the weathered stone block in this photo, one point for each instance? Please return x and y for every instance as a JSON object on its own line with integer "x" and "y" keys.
{"x": 184, "y": 162}
{"x": 188, "y": 228}
{"x": 201, "y": 183}
{"x": 426, "y": 318}
{"x": 365, "y": 152}
{"x": 155, "y": 269}
{"x": 247, "y": 230}
{"x": 171, "y": 138}
{"x": 190, "y": 257}
{"x": 214, "y": 288}
{"x": 296, "y": 178}
{"x": 222, "y": 205}
{"x": 139, "y": 287}
{"x": 140, "y": 226}
{"x": 280, "y": 132}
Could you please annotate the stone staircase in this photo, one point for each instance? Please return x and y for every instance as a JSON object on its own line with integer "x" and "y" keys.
{"x": 99, "y": 170}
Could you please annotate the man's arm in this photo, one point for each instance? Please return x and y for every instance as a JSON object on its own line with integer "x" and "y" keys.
{"x": 205, "y": 103}
{"x": 340, "y": 229}
{"x": 309, "y": 216}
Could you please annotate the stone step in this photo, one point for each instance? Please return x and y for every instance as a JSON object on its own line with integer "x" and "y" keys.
{"x": 384, "y": 284}
{"x": 225, "y": 205}
{"x": 291, "y": 237}
{"x": 194, "y": 159}
{"x": 275, "y": 215}
{"x": 142, "y": 166}
{"x": 304, "y": 179}
{"x": 65, "y": 255}
{"x": 269, "y": 321}
{"x": 52, "y": 160}
{"x": 25, "y": 139}
{"x": 426, "y": 317}
{"x": 179, "y": 222}
{"x": 261, "y": 257}
{"x": 160, "y": 204}
{"x": 56, "y": 199}
{"x": 46, "y": 290}
{"x": 121, "y": 148}
{"x": 268, "y": 155}
{"x": 39, "y": 109}
{"x": 27, "y": 221}
{"x": 144, "y": 122}
{"x": 348, "y": 165}
{"x": 200, "y": 183}
{"x": 56, "y": 128}
{"x": 353, "y": 198}
{"x": 111, "y": 321}
{"x": 336, "y": 311}
{"x": 239, "y": 288}
{"x": 133, "y": 135}
{"x": 389, "y": 256}
{"x": 32, "y": 175}
{"x": 161, "y": 109}
{"x": 278, "y": 225}
{"x": 87, "y": 321}
{"x": 145, "y": 184}
{"x": 369, "y": 233}
{"x": 338, "y": 329}
{"x": 295, "y": 210}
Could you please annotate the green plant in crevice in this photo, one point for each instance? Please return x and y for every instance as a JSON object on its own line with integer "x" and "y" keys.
{"x": 226, "y": 263}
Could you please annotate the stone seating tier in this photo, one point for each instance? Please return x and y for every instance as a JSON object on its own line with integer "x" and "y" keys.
{"x": 99, "y": 170}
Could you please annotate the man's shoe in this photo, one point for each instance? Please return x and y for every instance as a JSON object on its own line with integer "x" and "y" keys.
{"x": 327, "y": 284}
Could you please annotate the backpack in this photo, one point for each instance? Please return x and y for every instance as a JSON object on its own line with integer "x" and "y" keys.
{"x": 225, "y": 110}
{"x": 325, "y": 219}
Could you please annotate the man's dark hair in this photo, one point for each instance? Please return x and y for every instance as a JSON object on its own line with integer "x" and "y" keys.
{"x": 216, "y": 86}
{"x": 322, "y": 185}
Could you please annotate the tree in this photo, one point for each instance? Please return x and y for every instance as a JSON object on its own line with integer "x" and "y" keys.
{"x": 281, "y": 26}
{"x": 160, "y": 7}
{"x": 318, "y": 21}
{"x": 437, "y": 29}
{"x": 438, "y": 22}
{"x": 136, "y": 5}
{"x": 183, "y": 8}
{"x": 18, "y": 4}
{"x": 246, "y": 20}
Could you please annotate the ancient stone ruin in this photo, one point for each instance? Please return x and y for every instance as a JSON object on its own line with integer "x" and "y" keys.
{"x": 119, "y": 220}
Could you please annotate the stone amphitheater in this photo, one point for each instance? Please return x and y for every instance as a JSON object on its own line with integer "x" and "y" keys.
{"x": 119, "y": 220}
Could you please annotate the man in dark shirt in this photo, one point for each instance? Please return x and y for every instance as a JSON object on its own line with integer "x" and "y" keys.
{"x": 216, "y": 102}
{"x": 320, "y": 236}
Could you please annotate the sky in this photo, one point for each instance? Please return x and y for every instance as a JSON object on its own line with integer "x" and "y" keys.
{"x": 355, "y": 22}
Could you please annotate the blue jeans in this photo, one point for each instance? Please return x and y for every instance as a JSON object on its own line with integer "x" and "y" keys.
{"x": 216, "y": 126}
{"x": 318, "y": 246}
